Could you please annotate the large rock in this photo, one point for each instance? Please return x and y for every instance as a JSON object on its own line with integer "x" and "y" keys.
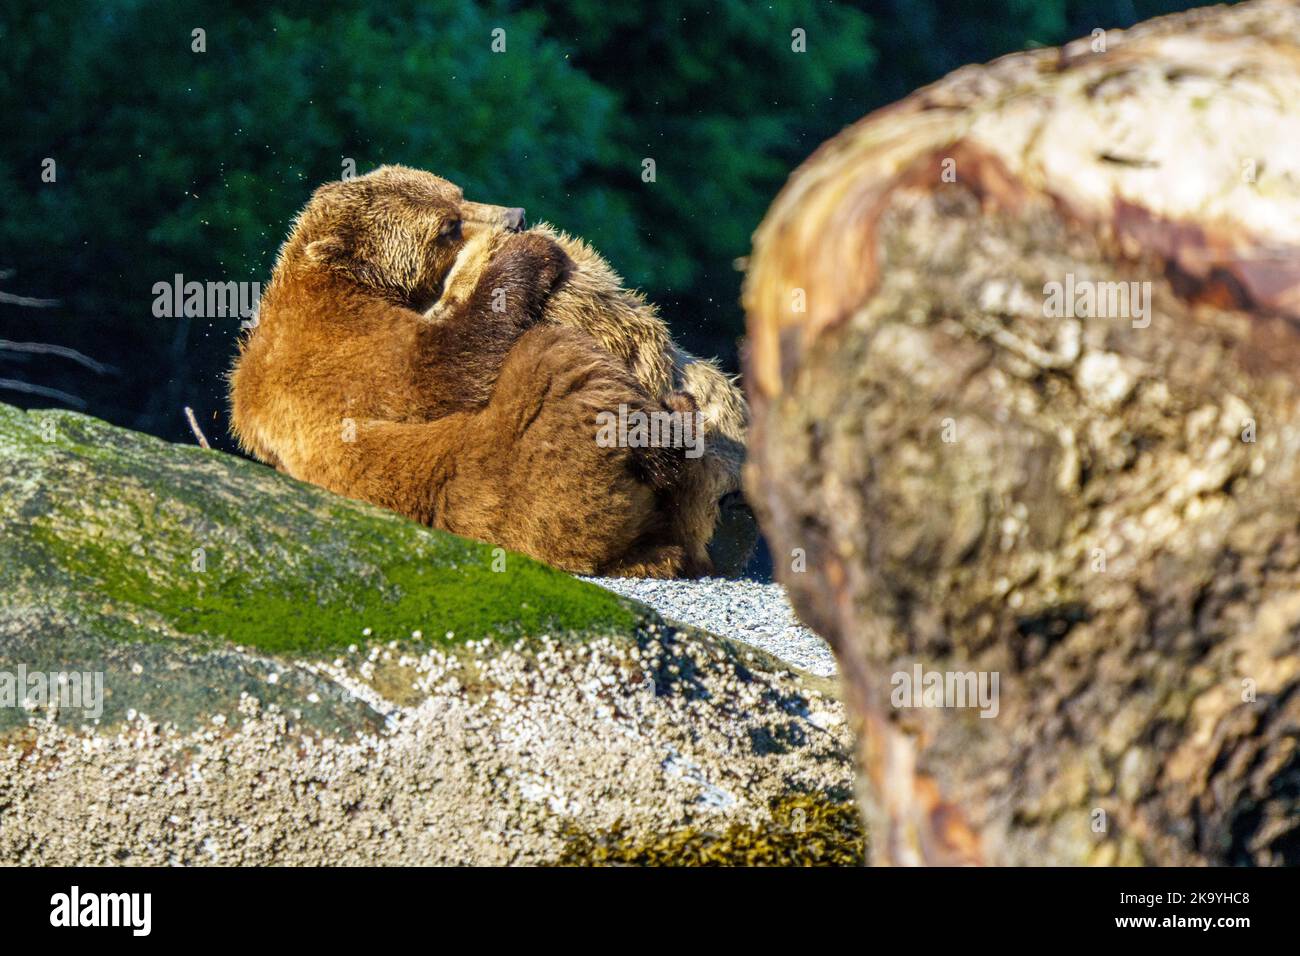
{"x": 965, "y": 464}
{"x": 292, "y": 677}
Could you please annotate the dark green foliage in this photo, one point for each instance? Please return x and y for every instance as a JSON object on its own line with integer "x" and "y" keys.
{"x": 172, "y": 161}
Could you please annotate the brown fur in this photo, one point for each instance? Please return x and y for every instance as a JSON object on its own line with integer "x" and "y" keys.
{"x": 469, "y": 419}
{"x": 709, "y": 516}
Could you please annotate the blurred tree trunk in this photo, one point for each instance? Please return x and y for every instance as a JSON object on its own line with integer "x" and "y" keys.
{"x": 966, "y": 461}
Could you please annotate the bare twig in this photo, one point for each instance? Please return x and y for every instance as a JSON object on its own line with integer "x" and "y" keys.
{"x": 17, "y": 386}
{"x": 8, "y": 298}
{"x": 14, "y": 384}
{"x": 45, "y": 348}
{"x": 194, "y": 427}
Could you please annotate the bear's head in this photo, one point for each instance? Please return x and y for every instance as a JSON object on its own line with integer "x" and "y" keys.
{"x": 395, "y": 231}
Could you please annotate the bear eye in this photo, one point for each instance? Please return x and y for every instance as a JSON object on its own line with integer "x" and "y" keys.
{"x": 450, "y": 229}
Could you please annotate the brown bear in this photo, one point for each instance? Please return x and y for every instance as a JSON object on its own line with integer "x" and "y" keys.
{"x": 712, "y": 520}
{"x": 478, "y": 422}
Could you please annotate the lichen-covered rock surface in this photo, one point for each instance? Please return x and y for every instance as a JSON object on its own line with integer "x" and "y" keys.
{"x": 291, "y": 677}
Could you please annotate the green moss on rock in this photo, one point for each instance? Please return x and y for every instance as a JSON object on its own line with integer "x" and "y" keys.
{"x": 152, "y": 540}
{"x": 189, "y": 578}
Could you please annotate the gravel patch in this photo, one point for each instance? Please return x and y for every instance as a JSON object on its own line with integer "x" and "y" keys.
{"x": 750, "y": 611}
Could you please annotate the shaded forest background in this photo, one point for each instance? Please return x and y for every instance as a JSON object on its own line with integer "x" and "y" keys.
{"x": 171, "y": 161}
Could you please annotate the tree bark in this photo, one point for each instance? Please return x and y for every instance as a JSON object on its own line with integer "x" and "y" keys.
{"x": 1097, "y": 502}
